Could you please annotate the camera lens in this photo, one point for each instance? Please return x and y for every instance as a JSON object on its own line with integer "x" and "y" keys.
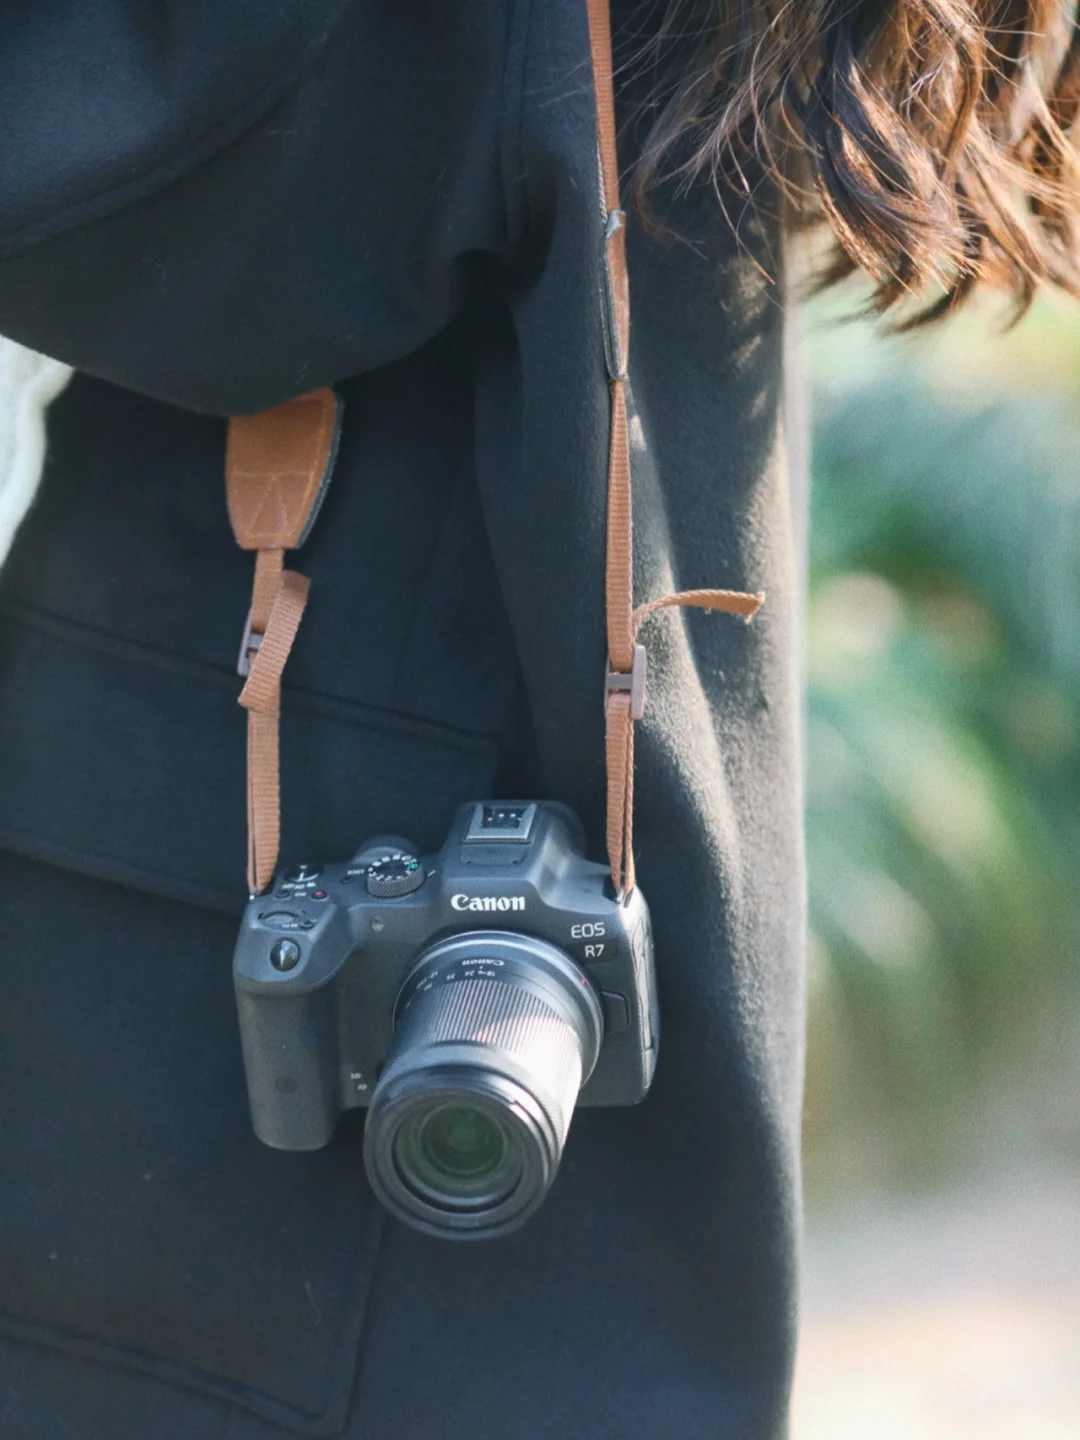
{"x": 495, "y": 1035}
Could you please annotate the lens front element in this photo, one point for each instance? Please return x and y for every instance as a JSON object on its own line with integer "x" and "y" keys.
{"x": 495, "y": 1035}
{"x": 458, "y": 1156}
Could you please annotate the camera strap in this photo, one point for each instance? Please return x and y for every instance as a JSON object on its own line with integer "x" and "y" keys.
{"x": 278, "y": 465}
{"x": 624, "y": 690}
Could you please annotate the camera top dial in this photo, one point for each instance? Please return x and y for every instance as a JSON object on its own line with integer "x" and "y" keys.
{"x": 393, "y": 875}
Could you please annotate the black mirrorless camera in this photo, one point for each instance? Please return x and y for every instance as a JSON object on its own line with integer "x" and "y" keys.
{"x": 467, "y": 999}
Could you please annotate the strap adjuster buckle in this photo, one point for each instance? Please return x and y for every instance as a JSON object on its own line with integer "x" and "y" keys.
{"x": 632, "y": 682}
{"x": 250, "y": 645}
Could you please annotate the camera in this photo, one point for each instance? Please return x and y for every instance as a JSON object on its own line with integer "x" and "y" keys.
{"x": 468, "y": 1000}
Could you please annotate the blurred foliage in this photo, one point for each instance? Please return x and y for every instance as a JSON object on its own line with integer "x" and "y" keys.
{"x": 943, "y": 745}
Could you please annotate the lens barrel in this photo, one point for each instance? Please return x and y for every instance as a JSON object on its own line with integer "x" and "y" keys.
{"x": 495, "y": 1035}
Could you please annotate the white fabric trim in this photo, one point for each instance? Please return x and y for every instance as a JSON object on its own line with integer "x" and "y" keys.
{"x": 28, "y": 384}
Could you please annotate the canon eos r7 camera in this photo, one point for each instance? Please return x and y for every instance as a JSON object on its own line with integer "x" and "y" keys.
{"x": 468, "y": 999}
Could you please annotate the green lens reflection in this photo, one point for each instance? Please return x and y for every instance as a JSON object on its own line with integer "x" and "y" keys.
{"x": 458, "y": 1155}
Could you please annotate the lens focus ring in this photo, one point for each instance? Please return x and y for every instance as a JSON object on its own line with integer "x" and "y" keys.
{"x": 500, "y": 1031}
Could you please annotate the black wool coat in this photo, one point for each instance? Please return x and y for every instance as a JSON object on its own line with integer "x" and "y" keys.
{"x": 207, "y": 208}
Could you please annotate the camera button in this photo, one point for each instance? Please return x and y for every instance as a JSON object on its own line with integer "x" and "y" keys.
{"x": 616, "y": 1009}
{"x": 286, "y": 920}
{"x": 284, "y": 954}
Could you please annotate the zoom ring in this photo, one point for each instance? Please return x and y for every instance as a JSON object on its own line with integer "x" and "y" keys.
{"x": 511, "y": 1021}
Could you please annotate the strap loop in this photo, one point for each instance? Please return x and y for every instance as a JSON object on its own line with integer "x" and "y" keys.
{"x": 616, "y": 297}
{"x": 632, "y": 683}
{"x": 271, "y": 652}
{"x": 261, "y": 697}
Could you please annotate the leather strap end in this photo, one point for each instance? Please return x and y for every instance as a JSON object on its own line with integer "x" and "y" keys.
{"x": 729, "y": 602}
{"x": 277, "y": 468}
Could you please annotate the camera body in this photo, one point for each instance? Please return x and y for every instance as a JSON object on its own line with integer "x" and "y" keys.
{"x": 329, "y": 961}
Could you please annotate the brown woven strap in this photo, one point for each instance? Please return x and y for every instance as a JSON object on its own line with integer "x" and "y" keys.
{"x": 277, "y": 467}
{"x": 261, "y": 696}
{"x": 624, "y": 699}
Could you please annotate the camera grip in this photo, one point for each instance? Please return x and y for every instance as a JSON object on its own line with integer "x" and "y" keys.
{"x": 291, "y": 1059}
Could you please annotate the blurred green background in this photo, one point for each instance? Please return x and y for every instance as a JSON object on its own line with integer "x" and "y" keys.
{"x": 943, "y": 769}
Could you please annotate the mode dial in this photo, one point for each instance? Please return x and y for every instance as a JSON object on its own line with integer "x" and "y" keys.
{"x": 394, "y": 875}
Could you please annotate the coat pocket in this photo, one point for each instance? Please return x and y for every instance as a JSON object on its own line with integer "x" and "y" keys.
{"x": 128, "y": 764}
{"x": 143, "y": 1224}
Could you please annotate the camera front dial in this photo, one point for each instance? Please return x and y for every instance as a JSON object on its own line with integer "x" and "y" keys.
{"x": 495, "y": 1034}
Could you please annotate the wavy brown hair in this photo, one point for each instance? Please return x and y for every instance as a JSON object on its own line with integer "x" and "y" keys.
{"x": 932, "y": 135}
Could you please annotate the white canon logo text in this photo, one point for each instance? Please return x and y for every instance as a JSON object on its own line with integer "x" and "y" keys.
{"x": 488, "y": 902}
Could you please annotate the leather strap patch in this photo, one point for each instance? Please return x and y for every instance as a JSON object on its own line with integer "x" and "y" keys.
{"x": 277, "y": 468}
